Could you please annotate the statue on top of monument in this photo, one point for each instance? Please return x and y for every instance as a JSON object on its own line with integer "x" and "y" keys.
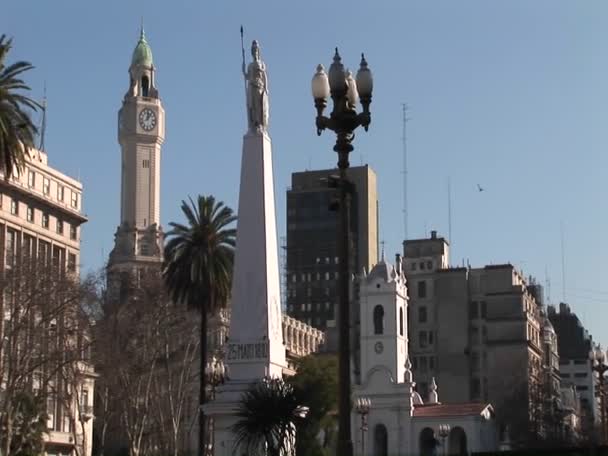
{"x": 256, "y": 86}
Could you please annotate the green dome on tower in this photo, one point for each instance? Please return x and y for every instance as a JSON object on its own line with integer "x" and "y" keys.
{"x": 142, "y": 55}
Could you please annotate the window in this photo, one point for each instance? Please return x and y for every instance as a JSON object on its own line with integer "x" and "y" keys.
{"x": 73, "y": 232}
{"x": 431, "y": 362}
{"x": 327, "y": 276}
{"x": 71, "y": 262}
{"x": 484, "y": 334}
{"x": 59, "y": 226}
{"x": 11, "y": 237}
{"x": 431, "y": 338}
{"x": 474, "y": 361}
{"x": 413, "y": 267}
{"x": 580, "y": 375}
{"x": 145, "y": 164}
{"x": 429, "y": 265}
{"x": 60, "y": 192}
{"x": 31, "y": 178}
{"x": 74, "y": 200}
{"x": 378, "y": 320}
{"x": 564, "y": 375}
{"x": 423, "y": 340}
{"x": 475, "y": 388}
{"x": 581, "y": 388}
{"x": 415, "y": 362}
{"x": 45, "y": 220}
{"x": 422, "y": 289}
{"x": 422, "y": 316}
{"x": 424, "y": 367}
{"x": 14, "y": 207}
{"x": 401, "y": 321}
{"x": 30, "y": 214}
{"x": 474, "y": 334}
{"x": 473, "y": 310}
{"x": 46, "y": 186}
{"x": 421, "y": 265}
{"x": 484, "y": 308}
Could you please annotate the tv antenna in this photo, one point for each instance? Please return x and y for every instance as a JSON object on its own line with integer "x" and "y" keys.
{"x": 404, "y": 172}
{"x": 43, "y": 122}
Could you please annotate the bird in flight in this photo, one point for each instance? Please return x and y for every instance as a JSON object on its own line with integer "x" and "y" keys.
{"x": 479, "y": 187}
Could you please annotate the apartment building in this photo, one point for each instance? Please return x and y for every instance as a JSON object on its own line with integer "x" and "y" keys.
{"x": 477, "y": 331}
{"x": 40, "y": 223}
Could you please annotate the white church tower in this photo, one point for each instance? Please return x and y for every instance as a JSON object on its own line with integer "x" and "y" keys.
{"x": 141, "y": 133}
{"x": 386, "y": 377}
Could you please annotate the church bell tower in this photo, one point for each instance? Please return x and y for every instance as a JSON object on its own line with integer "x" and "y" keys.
{"x": 141, "y": 132}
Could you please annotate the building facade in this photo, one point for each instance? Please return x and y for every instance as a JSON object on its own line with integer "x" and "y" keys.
{"x": 477, "y": 331}
{"x": 574, "y": 345}
{"x": 399, "y": 421}
{"x": 40, "y": 228}
{"x": 312, "y": 249}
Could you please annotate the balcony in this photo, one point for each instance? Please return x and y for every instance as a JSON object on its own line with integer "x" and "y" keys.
{"x": 86, "y": 412}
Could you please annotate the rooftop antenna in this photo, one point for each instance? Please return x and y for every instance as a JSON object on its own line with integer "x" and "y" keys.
{"x": 563, "y": 262}
{"x": 43, "y": 123}
{"x": 547, "y": 285}
{"x": 450, "y": 214}
{"x": 404, "y": 172}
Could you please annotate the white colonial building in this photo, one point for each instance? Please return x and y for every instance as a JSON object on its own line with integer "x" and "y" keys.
{"x": 398, "y": 422}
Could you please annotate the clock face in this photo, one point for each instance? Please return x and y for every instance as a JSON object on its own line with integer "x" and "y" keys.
{"x": 378, "y": 347}
{"x": 147, "y": 119}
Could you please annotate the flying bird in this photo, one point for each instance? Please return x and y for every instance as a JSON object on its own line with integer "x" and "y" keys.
{"x": 479, "y": 187}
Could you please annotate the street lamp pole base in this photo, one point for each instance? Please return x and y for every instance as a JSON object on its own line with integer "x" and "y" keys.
{"x": 345, "y": 447}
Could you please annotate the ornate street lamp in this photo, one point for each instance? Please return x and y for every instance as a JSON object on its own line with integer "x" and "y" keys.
{"x": 598, "y": 364}
{"x": 362, "y": 406}
{"x": 215, "y": 375}
{"x": 444, "y": 432}
{"x": 344, "y": 119}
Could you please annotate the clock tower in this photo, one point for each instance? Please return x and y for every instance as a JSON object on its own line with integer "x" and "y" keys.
{"x": 141, "y": 133}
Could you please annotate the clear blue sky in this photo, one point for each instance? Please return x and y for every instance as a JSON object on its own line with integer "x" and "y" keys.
{"x": 512, "y": 95}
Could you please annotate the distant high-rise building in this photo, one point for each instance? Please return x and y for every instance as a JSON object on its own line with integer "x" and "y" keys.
{"x": 312, "y": 249}
{"x": 477, "y": 331}
{"x": 574, "y": 345}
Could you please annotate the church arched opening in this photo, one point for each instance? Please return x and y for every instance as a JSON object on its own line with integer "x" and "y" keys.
{"x": 378, "y": 319}
{"x": 380, "y": 440}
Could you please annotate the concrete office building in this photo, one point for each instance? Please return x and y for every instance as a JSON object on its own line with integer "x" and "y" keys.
{"x": 477, "y": 331}
{"x": 40, "y": 220}
{"x": 312, "y": 250}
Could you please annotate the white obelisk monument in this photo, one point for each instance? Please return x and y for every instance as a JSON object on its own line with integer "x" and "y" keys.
{"x": 255, "y": 346}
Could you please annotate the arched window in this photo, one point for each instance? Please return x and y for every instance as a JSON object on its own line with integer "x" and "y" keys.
{"x": 427, "y": 442}
{"x": 401, "y": 321}
{"x": 380, "y": 440}
{"x": 145, "y": 86}
{"x": 457, "y": 442}
{"x": 378, "y": 320}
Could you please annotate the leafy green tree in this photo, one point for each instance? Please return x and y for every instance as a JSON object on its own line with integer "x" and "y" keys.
{"x": 268, "y": 415}
{"x": 17, "y": 132}
{"x": 316, "y": 387}
{"x": 198, "y": 269}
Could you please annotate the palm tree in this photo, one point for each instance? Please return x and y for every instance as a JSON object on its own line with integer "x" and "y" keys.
{"x": 198, "y": 269}
{"x": 17, "y": 132}
{"x": 267, "y": 415}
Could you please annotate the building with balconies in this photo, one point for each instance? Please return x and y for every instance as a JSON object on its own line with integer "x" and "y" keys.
{"x": 477, "y": 331}
{"x": 40, "y": 227}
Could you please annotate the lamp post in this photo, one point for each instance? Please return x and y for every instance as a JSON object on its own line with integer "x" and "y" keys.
{"x": 362, "y": 406}
{"x": 215, "y": 374}
{"x": 598, "y": 364}
{"x": 444, "y": 431}
{"x": 344, "y": 119}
